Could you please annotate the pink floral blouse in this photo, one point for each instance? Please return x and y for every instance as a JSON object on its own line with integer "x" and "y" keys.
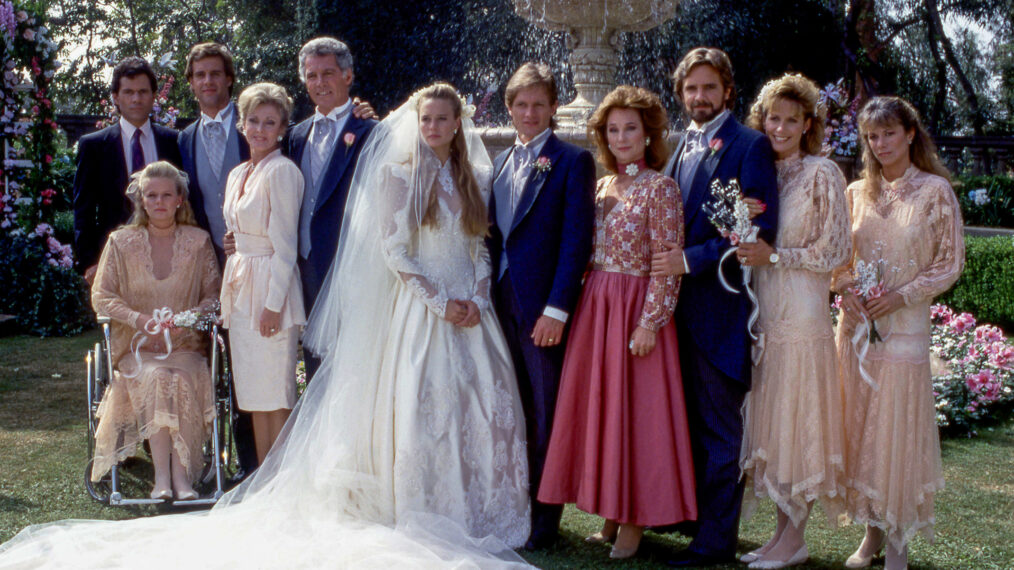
{"x": 650, "y": 211}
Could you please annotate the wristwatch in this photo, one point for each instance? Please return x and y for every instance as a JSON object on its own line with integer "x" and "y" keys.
{"x": 773, "y": 258}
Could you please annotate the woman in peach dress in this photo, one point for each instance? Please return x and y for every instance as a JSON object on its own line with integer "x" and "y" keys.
{"x": 906, "y": 221}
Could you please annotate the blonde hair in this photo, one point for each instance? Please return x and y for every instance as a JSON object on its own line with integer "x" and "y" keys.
{"x": 261, "y": 93}
{"x": 885, "y": 111}
{"x": 653, "y": 119}
{"x": 473, "y": 209}
{"x": 139, "y": 182}
{"x": 797, "y": 89}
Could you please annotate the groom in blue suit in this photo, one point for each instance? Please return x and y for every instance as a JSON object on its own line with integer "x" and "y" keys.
{"x": 326, "y": 147}
{"x": 710, "y": 321}
{"x": 542, "y": 215}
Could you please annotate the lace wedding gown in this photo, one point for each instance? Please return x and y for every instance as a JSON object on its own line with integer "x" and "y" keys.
{"x": 406, "y": 450}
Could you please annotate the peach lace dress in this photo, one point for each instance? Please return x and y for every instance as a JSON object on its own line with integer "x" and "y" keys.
{"x": 792, "y": 445}
{"x": 175, "y": 393}
{"x": 892, "y": 450}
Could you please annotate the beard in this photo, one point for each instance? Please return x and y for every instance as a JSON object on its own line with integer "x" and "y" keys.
{"x": 701, "y": 114}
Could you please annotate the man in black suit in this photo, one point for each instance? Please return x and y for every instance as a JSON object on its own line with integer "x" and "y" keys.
{"x": 107, "y": 158}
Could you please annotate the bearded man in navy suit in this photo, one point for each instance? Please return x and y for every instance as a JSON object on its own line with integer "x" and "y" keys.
{"x": 710, "y": 321}
{"x": 542, "y": 216}
{"x": 107, "y": 158}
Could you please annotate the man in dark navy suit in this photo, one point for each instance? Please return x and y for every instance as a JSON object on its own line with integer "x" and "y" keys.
{"x": 210, "y": 148}
{"x": 107, "y": 158}
{"x": 326, "y": 147}
{"x": 542, "y": 213}
{"x": 710, "y": 321}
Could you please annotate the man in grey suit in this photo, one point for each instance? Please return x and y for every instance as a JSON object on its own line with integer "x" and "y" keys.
{"x": 211, "y": 147}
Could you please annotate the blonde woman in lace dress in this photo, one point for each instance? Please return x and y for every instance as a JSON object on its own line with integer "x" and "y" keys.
{"x": 906, "y": 219}
{"x": 792, "y": 448}
{"x": 262, "y": 301}
{"x": 160, "y": 259}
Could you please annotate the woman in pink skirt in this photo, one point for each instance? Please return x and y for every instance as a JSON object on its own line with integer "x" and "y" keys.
{"x": 620, "y": 447}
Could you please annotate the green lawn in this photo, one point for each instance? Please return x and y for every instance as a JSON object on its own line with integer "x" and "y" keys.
{"x": 42, "y": 455}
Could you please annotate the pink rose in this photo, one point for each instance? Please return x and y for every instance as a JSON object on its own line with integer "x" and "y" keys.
{"x": 48, "y": 159}
{"x": 988, "y": 333}
{"x": 716, "y": 145}
{"x": 350, "y": 139}
{"x": 21, "y": 15}
{"x": 29, "y": 35}
{"x": 963, "y": 322}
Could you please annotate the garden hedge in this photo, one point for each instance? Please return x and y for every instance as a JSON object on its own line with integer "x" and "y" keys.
{"x": 986, "y": 288}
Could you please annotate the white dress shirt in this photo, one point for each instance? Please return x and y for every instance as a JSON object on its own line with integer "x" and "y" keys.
{"x": 147, "y": 142}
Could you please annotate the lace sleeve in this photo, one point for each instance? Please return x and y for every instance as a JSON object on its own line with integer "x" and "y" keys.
{"x": 285, "y": 192}
{"x": 483, "y": 272}
{"x": 665, "y": 222}
{"x": 831, "y": 245}
{"x": 106, "y": 292}
{"x": 943, "y": 215}
{"x": 209, "y": 275}
{"x": 399, "y": 223}
{"x": 841, "y": 277}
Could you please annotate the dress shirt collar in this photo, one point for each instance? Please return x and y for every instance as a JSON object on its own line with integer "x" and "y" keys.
{"x": 535, "y": 145}
{"x": 128, "y": 129}
{"x": 336, "y": 114}
{"x": 221, "y": 117}
{"x": 711, "y": 127}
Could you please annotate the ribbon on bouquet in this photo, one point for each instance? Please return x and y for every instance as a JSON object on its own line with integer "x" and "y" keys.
{"x": 747, "y": 273}
{"x": 861, "y": 345}
{"x": 161, "y": 321}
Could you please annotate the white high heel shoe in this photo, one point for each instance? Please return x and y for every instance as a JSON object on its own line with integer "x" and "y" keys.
{"x": 801, "y": 556}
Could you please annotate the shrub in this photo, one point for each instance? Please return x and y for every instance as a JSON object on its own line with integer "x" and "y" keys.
{"x": 977, "y": 386}
{"x": 986, "y": 200}
{"x": 986, "y": 287}
{"x": 39, "y": 287}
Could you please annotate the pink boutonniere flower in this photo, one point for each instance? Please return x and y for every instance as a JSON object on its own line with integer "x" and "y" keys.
{"x": 350, "y": 139}
{"x": 715, "y": 145}
{"x": 542, "y": 164}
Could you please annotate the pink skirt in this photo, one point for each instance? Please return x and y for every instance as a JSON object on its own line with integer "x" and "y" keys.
{"x": 620, "y": 447}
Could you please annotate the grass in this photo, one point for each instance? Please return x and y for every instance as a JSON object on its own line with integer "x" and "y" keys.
{"x": 42, "y": 457}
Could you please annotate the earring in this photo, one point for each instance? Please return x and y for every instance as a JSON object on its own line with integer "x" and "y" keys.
{"x": 909, "y": 141}
{"x": 647, "y": 141}
{"x": 280, "y": 137}
{"x": 455, "y": 131}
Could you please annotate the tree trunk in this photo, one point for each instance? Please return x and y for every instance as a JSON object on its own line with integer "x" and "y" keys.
{"x": 978, "y": 121}
{"x": 937, "y": 112}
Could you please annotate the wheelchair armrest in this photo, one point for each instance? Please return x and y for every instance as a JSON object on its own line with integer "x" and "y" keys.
{"x": 103, "y": 320}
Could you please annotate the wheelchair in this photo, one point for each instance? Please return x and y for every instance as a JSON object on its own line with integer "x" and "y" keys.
{"x": 220, "y": 459}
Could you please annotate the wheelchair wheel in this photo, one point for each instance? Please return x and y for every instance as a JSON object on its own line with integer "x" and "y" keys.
{"x": 97, "y": 490}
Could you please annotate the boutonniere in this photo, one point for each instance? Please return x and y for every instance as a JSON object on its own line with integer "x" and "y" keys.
{"x": 350, "y": 139}
{"x": 715, "y": 145}
{"x": 542, "y": 164}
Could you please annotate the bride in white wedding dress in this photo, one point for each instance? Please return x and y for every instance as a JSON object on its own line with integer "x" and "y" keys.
{"x": 407, "y": 449}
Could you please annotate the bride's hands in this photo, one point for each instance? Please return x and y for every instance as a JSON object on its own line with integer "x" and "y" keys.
{"x": 462, "y": 313}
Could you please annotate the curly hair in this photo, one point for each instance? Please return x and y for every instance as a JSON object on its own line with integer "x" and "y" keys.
{"x": 886, "y": 111}
{"x": 261, "y": 93}
{"x": 653, "y": 118}
{"x": 797, "y": 89}
{"x": 139, "y": 181}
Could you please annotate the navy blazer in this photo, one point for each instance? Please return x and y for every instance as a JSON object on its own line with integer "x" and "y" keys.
{"x": 550, "y": 240}
{"x": 328, "y": 212}
{"x": 716, "y": 318}
{"x": 100, "y": 184}
{"x": 188, "y": 155}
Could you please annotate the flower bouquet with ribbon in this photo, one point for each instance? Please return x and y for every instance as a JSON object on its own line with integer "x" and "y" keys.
{"x": 729, "y": 213}
{"x": 164, "y": 321}
{"x": 867, "y": 284}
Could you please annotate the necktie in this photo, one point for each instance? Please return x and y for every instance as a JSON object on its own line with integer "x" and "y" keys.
{"x": 695, "y": 140}
{"x": 321, "y": 147}
{"x": 136, "y": 152}
{"x": 522, "y": 165}
{"x": 214, "y": 143}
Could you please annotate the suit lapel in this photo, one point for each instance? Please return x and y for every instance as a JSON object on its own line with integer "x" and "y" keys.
{"x": 536, "y": 179}
{"x": 498, "y": 165}
{"x": 706, "y": 169}
{"x": 300, "y": 134}
{"x": 340, "y": 158}
{"x": 116, "y": 147}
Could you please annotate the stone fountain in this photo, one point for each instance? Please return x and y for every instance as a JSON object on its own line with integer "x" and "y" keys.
{"x": 594, "y": 35}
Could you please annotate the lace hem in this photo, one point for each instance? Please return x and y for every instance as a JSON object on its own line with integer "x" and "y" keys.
{"x": 795, "y": 502}
{"x": 898, "y": 533}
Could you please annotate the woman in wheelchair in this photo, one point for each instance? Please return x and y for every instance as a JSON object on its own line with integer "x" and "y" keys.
{"x": 159, "y": 260}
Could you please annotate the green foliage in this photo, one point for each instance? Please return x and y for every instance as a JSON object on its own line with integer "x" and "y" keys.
{"x": 986, "y": 287}
{"x": 986, "y": 200}
{"x": 47, "y": 298}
